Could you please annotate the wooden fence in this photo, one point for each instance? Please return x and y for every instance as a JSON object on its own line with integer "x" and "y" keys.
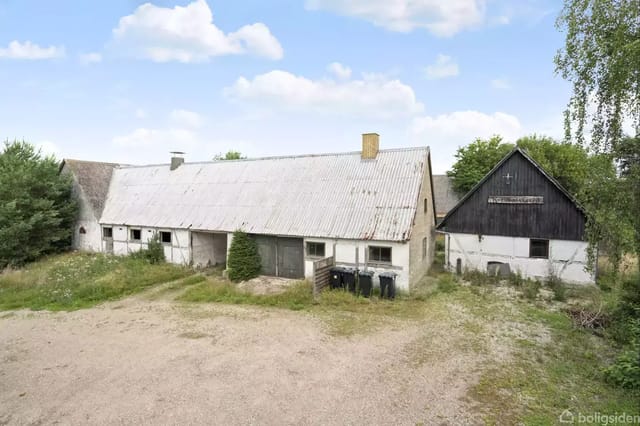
{"x": 321, "y": 274}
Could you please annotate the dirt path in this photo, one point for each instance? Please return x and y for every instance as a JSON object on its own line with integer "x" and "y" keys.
{"x": 143, "y": 361}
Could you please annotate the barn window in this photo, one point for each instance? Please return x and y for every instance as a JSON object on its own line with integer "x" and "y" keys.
{"x": 136, "y": 235}
{"x": 380, "y": 254}
{"x": 315, "y": 249}
{"x": 424, "y": 248}
{"x": 539, "y": 248}
{"x": 107, "y": 232}
{"x": 165, "y": 237}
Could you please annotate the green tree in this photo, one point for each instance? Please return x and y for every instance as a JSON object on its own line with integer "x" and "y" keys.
{"x": 37, "y": 209}
{"x": 230, "y": 155}
{"x": 475, "y": 160}
{"x": 244, "y": 260}
{"x": 601, "y": 59}
{"x": 571, "y": 165}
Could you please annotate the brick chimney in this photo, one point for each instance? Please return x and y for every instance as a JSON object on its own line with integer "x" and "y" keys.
{"x": 370, "y": 146}
{"x": 177, "y": 159}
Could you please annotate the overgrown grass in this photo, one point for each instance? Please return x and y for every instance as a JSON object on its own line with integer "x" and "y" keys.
{"x": 76, "y": 280}
{"x": 545, "y": 378}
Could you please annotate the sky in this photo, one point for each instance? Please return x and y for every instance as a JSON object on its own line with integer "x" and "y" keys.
{"x": 127, "y": 81}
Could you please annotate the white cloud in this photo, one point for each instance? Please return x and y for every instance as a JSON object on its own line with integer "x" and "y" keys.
{"x": 339, "y": 70}
{"x": 441, "y": 18}
{"x": 372, "y": 96}
{"x": 186, "y": 118}
{"x": 141, "y": 113}
{"x": 500, "y": 84}
{"x": 444, "y": 67}
{"x": 90, "y": 58}
{"x": 187, "y": 34}
{"x": 28, "y": 50}
{"x": 445, "y": 133}
{"x": 157, "y": 138}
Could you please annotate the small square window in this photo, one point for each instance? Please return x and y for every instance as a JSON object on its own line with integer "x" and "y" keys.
{"x": 539, "y": 248}
{"x": 165, "y": 237}
{"x": 380, "y": 254}
{"x": 315, "y": 249}
{"x": 136, "y": 235}
{"x": 107, "y": 232}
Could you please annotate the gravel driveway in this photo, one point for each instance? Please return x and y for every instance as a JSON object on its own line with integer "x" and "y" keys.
{"x": 140, "y": 361}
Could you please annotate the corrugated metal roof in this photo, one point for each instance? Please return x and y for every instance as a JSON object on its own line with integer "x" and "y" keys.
{"x": 329, "y": 195}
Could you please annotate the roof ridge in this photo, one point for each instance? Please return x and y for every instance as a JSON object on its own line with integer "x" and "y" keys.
{"x": 281, "y": 157}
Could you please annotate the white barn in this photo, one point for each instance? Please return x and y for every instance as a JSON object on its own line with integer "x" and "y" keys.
{"x": 519, "y": 216}
{"x": 370, "y": 210}
{"x": 90, "y": 187}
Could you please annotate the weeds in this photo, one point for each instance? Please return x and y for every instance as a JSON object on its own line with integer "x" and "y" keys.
{"x": 74, "y": 281}
{"x": 447, "y": 283}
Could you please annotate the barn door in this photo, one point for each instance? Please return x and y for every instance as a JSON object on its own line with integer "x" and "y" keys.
{"x": 267, "y": 249}
{"x": 290, "y": 258}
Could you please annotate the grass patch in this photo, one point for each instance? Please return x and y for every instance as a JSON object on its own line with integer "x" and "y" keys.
{"x": 78, "y": 280}
{"x": 345, "y": 313}
{"x": 544, "y": 379}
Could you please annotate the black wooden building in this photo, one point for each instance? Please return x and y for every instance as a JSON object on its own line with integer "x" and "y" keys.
{"x": 517, "y": 199}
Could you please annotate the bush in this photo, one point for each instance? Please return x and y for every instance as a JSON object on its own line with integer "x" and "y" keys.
{"x": 37, "y": 208}
{"x": 531, "y": 289}
{"x": 447, "y": 283}
{"x": 558, "y": 288}
{"x": 244, "y": 259}
{"x": 516, "y": 279}
{"x": 626, "y": 310}
{"x": 154, "y": 253}
{"x": 625, "y": 372}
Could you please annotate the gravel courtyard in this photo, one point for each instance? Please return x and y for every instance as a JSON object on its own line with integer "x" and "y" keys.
{"x": 145, "y": 361}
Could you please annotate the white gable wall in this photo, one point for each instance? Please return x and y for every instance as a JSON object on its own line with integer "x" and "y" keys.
{"x": 567, "y": 259}
{"x": 90, "y": 240}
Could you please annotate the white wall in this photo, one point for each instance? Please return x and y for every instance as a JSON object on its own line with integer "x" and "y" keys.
{"x": 179, "y": 251}
{"x": 91, "y": 239}
{"x": 353, "y": 253}
{"x": 208, "y": 249}
{"x": 567, "y": 259}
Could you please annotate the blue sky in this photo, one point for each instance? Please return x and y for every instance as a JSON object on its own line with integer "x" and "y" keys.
{"x": 128, "y": 81}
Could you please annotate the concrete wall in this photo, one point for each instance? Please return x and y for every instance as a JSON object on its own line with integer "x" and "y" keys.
{"x": 354, "y": 254}
{"x": 208, "y": 249}
{"x": 567, "y": 259}
{"x": 423, "y": 227}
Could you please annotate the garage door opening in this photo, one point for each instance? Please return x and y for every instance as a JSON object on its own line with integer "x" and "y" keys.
{"x": 280, "y": 256}
{"x": 208, "y": 249}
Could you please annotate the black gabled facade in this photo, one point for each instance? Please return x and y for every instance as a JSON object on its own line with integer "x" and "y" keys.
{"x": 517, "y": 199}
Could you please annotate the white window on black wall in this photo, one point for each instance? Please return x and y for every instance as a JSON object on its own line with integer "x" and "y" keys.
{"x": 539, "y": 248}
